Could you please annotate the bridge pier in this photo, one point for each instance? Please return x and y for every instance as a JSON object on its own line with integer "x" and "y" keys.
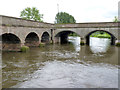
{"x": 83, "y": 40}
{"x": 32, "y": 43}
{"x": 52, "y": 36}
{"x": 56, "y": 40}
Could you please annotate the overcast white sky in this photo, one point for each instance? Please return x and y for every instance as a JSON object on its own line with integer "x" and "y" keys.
{"x": 82, "y": 10}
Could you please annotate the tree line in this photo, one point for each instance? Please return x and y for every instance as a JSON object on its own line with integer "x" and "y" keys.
{"x": 34, "y": 14}
{"x": 61, "y": 17}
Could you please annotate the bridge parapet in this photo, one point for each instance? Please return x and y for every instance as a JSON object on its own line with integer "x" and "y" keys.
{"x": 13, "y": 21}
{"x": 89, "y": 25}
{"x": 19, "y": 22}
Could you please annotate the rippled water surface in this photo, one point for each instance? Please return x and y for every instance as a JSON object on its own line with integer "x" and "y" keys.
{"x": 63, "y": 66}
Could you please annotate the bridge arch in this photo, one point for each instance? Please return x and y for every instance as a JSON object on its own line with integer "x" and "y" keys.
{"x": 113, "y": 38}
{"x": 32, "y": 39}
{"x": 10, "y": 41}
{"x": 62, "y": 36}
{"x": 45, "y": 37}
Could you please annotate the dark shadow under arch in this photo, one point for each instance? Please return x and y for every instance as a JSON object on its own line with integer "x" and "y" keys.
{"x": 9, "y": 38}
{"x": 63, "y": 36}
{"x": 113, "y": 38}
{"x": 10, "y": 42}
{"x": 32, "y": 39}
{"x": 45, "y": 37}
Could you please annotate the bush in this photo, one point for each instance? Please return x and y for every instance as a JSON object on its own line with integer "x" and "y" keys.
{"x": 99, "y": 34}
{"x": 42, "y": 45}
{"x": 118, "y": 44}
{"x": 51, "y": 42}
{"x": 82, "y": 43}
{"x": 24, "y": 48}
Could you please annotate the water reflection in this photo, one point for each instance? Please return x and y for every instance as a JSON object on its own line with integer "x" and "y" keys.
{"x": 61, "y": 66}
{"x": 75, "y": 41}
{"x": 99, "y": 45}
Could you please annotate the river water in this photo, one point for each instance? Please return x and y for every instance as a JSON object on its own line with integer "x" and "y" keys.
{"x": 63, "y": 66}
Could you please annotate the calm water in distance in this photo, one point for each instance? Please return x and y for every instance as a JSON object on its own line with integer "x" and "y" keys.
{"x": 63, "y": 66}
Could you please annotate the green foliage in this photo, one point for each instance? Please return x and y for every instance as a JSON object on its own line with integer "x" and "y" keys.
{"x": 118, "y": 44}
{"x": 42, "y": 45}
{"x": 64, "y": 17}
{"x": 73, "y": 34}
{"x": 100, "y": 34}
{"x": 82, "y": 43}
{"x": 31, "y": 14}
{"x": 115, "y": 19}
{"x": 24, "y": 48}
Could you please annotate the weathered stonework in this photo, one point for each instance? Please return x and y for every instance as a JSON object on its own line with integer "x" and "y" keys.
{"x": 21, "y": 28}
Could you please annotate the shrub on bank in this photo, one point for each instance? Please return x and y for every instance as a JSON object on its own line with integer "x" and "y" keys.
{"x": 24, "y": 48}
{"x": 42, "y": 45}
{"x": 100, "y": 35}
{"x": 118, "y": 44}
{"x": 82, "y": 43}
{"x": 51, "y": 42}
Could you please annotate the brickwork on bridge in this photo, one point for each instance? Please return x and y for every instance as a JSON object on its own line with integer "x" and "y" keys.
{"x": 18, "y": 22}
{"x": 21, "y": 28}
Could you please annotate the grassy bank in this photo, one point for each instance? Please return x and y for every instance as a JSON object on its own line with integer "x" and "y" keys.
{"x": 100, "y": 35}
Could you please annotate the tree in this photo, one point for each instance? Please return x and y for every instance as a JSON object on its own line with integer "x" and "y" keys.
{"x": 31, "y": 14}
{"x": 115, "y": 19}
{"x": 64, "y": 17}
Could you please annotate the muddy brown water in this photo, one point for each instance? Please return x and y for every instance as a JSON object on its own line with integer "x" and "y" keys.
{"x": 63, "y": 66}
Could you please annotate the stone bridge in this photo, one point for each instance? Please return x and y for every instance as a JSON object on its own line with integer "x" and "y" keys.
{"x": 16, "y": 32}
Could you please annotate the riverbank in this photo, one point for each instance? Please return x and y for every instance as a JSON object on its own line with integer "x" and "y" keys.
{"x": 100, "y": 35}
